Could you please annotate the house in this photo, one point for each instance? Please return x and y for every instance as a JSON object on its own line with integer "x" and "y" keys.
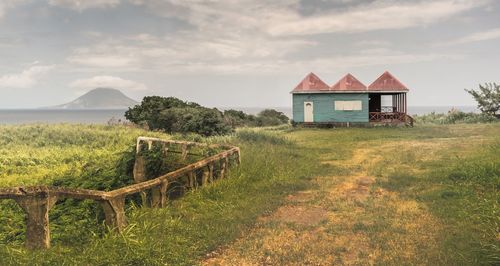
{"x": 350, "y": 102}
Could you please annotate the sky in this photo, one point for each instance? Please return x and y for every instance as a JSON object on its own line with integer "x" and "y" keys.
{"x": 243, "y": 53}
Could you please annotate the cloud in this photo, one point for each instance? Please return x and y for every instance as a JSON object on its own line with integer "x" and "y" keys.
{"x": 487, "y": 35}
{"x": 283, "y": 17}
{"x": 80, "y": 5}
{"x": 26, "y": 79}
{"x": 374, "y": 57}
{"x": 380, "y": 15}
{"x": 7, "y": 4}
{"x": 250, "y": 36}
{"x": 188, "y": 54}
{"x": 108, "y": 82}
{"x": 145, "y": 51}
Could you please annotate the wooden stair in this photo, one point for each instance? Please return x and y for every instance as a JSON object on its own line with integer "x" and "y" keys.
{"x": 409, "y": 120}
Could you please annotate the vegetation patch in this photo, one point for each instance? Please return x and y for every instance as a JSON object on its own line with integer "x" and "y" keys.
{"x": 425, "y": 195}
{"x": 455, "y": 117}
{"x": 176, "y": 116}
{"x": 389, "y": 200}
{"x": 191, "y": 226}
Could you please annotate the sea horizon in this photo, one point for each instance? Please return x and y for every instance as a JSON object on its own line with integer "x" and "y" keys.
{"x": 103, "y": 116}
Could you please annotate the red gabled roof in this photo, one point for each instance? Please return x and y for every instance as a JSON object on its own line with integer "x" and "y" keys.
{"x": 387, "y": 82}
{"x": 311, "y": 83}
{"x": 348, "y": 83}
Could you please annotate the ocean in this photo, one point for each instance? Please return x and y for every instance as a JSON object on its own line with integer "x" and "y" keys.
{"x": 29, "y": 116}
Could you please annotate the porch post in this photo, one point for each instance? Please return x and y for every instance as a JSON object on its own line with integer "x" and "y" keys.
{"x": 398, "y": 106}
{"x": 394, "y": 105}
{"x": 406, "y": 107}
{"x": 400, "y": 102}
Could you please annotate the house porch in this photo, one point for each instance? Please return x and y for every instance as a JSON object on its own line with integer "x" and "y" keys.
{"x": 389, "y": 108}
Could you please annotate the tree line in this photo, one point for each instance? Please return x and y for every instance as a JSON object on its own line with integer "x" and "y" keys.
{"x": 173, "y": 115}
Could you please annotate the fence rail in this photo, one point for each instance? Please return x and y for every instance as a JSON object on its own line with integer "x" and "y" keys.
{"x": 391, "y": 117}
{"x": 36, "y": 201}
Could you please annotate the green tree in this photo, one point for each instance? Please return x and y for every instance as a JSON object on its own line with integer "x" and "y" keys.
{"x": 487, "y": 98}
{"x": 237, "y": 118}
{"x": 173, "y": 115}
{"x": 271, "y": 117}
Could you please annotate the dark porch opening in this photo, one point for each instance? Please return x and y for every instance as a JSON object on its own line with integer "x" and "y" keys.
{"x": 374, "y": 102}
{"x": 388, "y": 108}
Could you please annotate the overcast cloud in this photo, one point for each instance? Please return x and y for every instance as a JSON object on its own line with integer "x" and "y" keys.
{"x": 247, "y": 53}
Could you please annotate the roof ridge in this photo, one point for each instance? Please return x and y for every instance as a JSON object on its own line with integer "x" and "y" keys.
{"x": 387, "y": 81}
{"x": 353, "y": 84}
{"x": 311, "y": 82}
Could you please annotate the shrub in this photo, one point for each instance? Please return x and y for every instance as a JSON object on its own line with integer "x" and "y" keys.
{"x": 271, "y": 117}
{"x": 267, "y": 117}
{"x": 237, "y": 118}
{"x": 176, "y": 116}
{"x": 455, "y": 117}
{"x": 173, "y": 115}
{"x": 487, "y": 98}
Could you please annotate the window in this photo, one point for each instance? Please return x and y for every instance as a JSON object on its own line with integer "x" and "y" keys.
{"x": 348, "y": 105}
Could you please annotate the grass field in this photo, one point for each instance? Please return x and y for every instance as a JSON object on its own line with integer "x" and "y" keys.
{"x": 424, "y": 195}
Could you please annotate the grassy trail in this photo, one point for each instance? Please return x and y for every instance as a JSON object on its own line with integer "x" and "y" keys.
{"x": 390, "y": 196}
{"x": 377, "y": 205}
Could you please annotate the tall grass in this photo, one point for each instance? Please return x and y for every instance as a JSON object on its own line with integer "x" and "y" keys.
{"x": 459, "y": 184}
{"x": 93, "y": 157}
{"x": 195, "y": 224}
{"x": 455, "y": 117}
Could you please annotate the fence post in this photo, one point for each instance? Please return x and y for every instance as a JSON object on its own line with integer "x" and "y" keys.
{"x": 163, "y": 193}
{"x": 184, "y": 151}
{"x": 206, "y": 174}
{"x": 228, "y": 166}
{"x": 164, "y": 148}
{"x": 211, "y": 172}
{"x": 238, "y": 157}
{"x": 156, "y": 197}
{"x": 191, "y": 179}
{"x": 139, "y": 173}
{"x": 114, "y": 210}
{"x": 223, "y": 168}
{"x": 37, "y": 219}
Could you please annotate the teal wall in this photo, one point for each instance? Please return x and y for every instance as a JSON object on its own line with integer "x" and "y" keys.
{"x": 324, "y": 108}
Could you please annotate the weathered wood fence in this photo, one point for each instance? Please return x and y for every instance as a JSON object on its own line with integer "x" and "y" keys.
{"x": 36, "y": 201}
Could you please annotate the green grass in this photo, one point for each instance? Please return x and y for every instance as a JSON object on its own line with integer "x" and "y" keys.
{"x": 434, "y": 200}
{"x": 463, "y": 191}
{"x": 188, "y": 229}
{"x": 451, "y": 172}
{"x": 38, "y": 154}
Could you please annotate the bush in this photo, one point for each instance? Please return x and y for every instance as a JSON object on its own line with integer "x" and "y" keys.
{"x": 237, "y": 118}
{"x": 267, "y": 117}
{"x": 271, "y": 117}
{"x": 455, "y": 117}
{"x": 176, "y": 116}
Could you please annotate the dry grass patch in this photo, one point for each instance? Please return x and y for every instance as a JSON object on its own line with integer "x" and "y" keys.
{"x": 301, "y": 215}
{"x": 353, "y": 216}
{"x": 301, "y": 196}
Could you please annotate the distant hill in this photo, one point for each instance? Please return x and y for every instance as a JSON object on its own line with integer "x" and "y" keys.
{"x": 100, "y": 98}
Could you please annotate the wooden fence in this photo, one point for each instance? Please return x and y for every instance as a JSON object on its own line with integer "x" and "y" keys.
{"x": 392, "y": 118}
{"x": 36, "y": 201}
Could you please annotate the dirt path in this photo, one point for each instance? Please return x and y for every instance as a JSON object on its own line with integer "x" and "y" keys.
{"x": 345, "y": 220}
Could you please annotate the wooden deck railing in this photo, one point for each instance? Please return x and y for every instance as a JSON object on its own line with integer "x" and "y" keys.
{"x": 36, "y": 201}
{"x": 391, "y": 117}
